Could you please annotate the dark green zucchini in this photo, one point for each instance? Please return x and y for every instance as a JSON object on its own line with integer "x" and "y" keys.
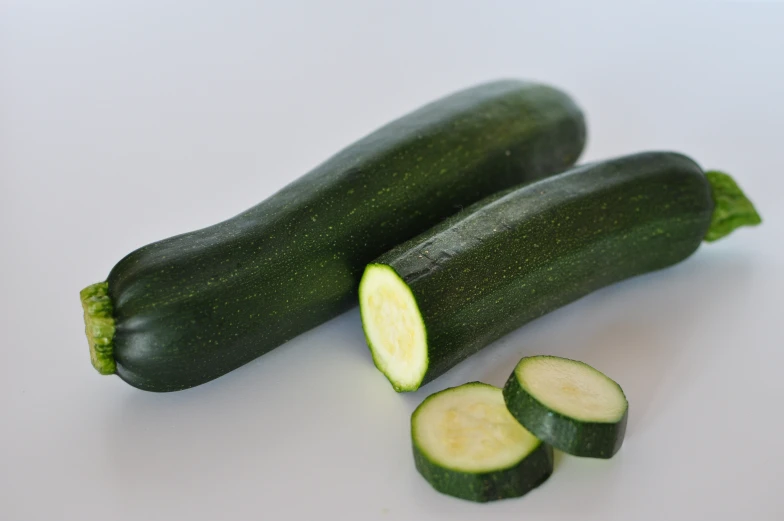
{"x": 434, "y": 300}
{"x": 468, "y": 445}
{"x": 569, "y": 405}
{"x": 188, "y": 309}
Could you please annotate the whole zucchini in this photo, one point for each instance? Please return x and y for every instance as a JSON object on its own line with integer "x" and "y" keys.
{"x": 188, "y": 309}
{"x": 435, "y": 300}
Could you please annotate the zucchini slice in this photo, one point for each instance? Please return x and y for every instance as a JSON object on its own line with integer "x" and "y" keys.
{"x": 468, "y": 445}
{"x": 569, "y": 405}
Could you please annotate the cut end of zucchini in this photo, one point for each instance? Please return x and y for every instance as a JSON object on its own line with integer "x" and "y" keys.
{"x": 393, "y": 327}
{"x": 732, "y": 209}
{"x": 468, "y": 445}
{"x": 569, "y": 405}
{"x": 99, "y": 326}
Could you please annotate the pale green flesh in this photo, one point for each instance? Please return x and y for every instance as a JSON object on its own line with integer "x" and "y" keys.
{"x": 571, "y": 388}
{"x": 469, "y": 429}
{"x": 393, "y": 326}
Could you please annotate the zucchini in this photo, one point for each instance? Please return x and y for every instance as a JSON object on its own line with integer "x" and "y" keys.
{"x": 467, "y": 445}
{"x": 433, "y": 301}
{"x": 569, "y": 405}
{"x": 188, "y": 309}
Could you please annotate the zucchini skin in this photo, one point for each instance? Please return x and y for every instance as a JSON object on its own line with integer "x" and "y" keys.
{"x": 529, "y": 473}
{"x": 525, "y": 252}
{"x": 193, "y": 307}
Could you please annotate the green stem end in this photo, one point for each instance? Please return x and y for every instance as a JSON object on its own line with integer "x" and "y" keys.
{"x": 99, "y": 326}
{"x": 732, "y": 209}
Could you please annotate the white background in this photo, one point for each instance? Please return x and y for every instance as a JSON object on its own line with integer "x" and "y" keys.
{"x": 124, "y": 124}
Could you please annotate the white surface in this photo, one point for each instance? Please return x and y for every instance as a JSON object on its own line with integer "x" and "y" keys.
{"x": 124, "y": 124}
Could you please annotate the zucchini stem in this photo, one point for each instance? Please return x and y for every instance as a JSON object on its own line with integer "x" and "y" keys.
{"x": 732, "y": 209}
{"x": 99, "y": 326}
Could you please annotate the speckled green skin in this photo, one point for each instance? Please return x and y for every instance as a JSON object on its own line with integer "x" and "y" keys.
{"x": 575, "y": 437}
{"x": 520, "y": 254}
{"x": 515, "y": 481}
{"x": 193, "y": 307}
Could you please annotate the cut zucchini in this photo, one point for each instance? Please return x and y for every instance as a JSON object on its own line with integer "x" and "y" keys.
{"x": 569, "y": 405}
{"x": 467, "y": 445}
{"x": 526, "y": 251}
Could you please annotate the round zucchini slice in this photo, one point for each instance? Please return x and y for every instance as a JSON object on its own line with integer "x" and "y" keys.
{"x": 467, "y": 445}
{"x": 569, "y": 405}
